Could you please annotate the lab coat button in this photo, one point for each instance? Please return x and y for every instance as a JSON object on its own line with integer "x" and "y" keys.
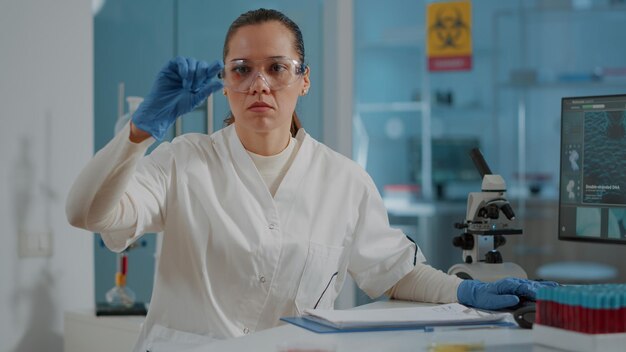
{"x": 246, "y": 331}
{"x": 272, "y": 226}
{"x": 262, "y": 278}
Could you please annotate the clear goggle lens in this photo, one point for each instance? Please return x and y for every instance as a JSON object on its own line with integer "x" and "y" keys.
{"x": 277, "y": 73}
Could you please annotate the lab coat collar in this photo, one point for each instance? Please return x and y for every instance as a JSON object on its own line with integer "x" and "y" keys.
{"x": 287, "y": 191}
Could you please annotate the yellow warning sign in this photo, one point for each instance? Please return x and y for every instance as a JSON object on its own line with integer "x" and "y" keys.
{"x": 449, "y": 36}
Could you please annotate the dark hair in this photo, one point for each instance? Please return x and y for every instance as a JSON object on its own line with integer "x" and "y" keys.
{"x": 262, "y": 16}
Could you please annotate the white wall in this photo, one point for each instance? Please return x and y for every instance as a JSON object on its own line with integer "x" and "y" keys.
{"x": 46, "y": 135}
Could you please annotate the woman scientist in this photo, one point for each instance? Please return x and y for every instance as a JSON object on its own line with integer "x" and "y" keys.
{"x": 260, "y": 220}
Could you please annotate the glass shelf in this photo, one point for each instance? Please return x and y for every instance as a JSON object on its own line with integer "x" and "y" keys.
{"x": 415, "y": 106}
{"x": 459, "y": 108}
{"x": 596, "y": 84}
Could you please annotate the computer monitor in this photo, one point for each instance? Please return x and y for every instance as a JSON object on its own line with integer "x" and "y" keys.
{"x": 592, "y": 196}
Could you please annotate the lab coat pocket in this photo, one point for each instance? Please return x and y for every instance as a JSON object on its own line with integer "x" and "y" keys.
{"x": 317, "y": 288}
{"x": 162, "y": 338}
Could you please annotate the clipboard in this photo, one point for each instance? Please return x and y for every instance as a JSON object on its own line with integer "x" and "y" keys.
{"x": 325, "y": 329}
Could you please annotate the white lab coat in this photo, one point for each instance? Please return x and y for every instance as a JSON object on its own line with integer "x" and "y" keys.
{"x": 235, "y": 259}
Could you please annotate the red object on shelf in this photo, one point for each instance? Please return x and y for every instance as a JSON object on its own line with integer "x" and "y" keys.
{"x": 124, "y": 264}
{"x": 402, "y": 188}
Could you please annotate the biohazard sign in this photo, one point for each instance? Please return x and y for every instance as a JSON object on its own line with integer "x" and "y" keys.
{"x": 449, "y": 36}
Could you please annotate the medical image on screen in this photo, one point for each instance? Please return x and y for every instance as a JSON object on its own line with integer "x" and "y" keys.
{"x": 601, "y": 222}
{"x": 573, "y": 157}
{"x": 588, "y": 222}
{"x": 617, "y": 223}
{"x": 604, "y": 158}
{"x": 570, "y": 192}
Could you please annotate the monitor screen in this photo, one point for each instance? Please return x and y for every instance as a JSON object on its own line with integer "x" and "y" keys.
{"x": 592, "y": 192}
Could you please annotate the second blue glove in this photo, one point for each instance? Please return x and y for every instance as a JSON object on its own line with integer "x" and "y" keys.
{"x": 500, "y": 294}
{"x": 181, "y": 85}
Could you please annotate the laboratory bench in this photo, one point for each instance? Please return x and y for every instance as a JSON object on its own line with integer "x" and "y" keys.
{"x": 86, "y": 332}
{"x": 537, "y": 247}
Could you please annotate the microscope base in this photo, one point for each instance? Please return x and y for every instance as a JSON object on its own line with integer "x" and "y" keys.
{"x": 487, "y": 272}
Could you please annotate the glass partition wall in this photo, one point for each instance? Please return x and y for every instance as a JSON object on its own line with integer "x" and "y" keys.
{"x": 413, "y": 128}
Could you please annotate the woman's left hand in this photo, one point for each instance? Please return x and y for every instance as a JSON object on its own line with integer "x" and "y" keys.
{"x": 500, "y": 294}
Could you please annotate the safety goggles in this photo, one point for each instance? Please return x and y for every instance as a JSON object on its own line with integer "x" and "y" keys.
{"x": 277, "y": 73}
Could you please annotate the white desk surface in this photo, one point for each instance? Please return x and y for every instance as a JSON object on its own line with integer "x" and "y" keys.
{"x": 494, "y": 339}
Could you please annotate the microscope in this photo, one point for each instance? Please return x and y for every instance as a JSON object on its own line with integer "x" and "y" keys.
{"x": 489, "y": 218}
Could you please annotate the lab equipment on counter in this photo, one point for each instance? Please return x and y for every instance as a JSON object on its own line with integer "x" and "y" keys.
{"x": 121, "y": 300}
{"x": 121, "y": 295}
{"x": 582, "y": 318}
{"x": 591, "y": 309}
{"x": 489, "y": 218}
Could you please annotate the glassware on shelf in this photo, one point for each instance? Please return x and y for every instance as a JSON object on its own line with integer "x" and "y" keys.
{"x": 121, "y": 295}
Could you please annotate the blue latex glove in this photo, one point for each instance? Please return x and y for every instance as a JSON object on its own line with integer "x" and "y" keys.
{"x": 500, "y": 294}
{"x": 180, "y": 87}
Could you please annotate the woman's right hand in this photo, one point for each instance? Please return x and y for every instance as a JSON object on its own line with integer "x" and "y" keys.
{"x": 181, "y": 85}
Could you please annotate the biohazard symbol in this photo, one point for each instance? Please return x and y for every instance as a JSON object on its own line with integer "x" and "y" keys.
{"x": 450, "y": 28}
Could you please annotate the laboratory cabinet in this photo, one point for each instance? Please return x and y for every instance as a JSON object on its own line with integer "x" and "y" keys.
{"x": 543, "y": 53}
{"x": 526, "y": 56}
{"x": 540, "y": 55}
{"x": 413, "y": 126}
